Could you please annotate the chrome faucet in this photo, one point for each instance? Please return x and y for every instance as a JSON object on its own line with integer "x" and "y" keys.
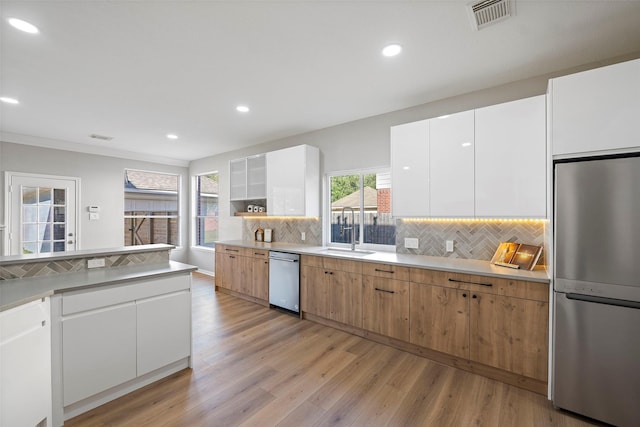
{"x": 352, "y": 228}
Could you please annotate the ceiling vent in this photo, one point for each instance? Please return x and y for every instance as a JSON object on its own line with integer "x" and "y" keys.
{"x": 101, "y": 137}
{"x": 487, "y": 12}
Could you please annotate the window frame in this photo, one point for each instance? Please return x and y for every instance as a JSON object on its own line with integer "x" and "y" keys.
{"x": 326, "y": 223}
{"x": 178, "y": 244}
{"x": 194, "y": 209}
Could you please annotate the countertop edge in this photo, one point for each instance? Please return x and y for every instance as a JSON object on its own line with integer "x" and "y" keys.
{"x": 16, "y": 292}
{"x": 452, "y": 265}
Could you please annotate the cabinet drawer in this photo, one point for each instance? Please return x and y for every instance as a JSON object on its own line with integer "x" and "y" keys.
{"x": 77, "y": 301}
{"x": 342, "y": 265}
{"x": 385, "y": 270}
{"x": 492, "y": 285}
{"x": 311, "y": 261}
{"x": 226, "y": 249}
{"x": 257, "y": 253}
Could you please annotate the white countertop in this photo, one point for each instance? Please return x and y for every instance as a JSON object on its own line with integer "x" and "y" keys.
{"x": 16, "y": 292}
{"x": 456, "y": 265}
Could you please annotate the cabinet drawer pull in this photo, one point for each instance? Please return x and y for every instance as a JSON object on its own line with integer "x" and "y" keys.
{"x": 383, "y": 271}
{"x": 231, "y": 250}
{"x": 464, "y": 295}
{"x": 385, "y": 290}
{"x": 259, "y": 254}
{"x": 471, "y": 283}
{"x": 231, "y": 256}
{"x": 474, "y": 296}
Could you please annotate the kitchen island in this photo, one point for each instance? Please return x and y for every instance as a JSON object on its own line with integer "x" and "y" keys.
{"x": 109, "y": 321}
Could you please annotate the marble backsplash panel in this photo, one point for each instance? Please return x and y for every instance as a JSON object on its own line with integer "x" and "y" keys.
{"x": 287, "y": 230}
{"x": 473, "y": 239}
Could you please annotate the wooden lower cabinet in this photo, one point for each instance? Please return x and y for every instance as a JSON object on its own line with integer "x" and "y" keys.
{"x": 510, "y": 334}
{"x": 243, "y": 271}
{"x": 332, "y": 294}
{"x": 386, "y": 307}
{"x": 314, "y": 291}
{"x": 345, "y": 298}
{"x": 439, "y": 319}
{"x": 259, "y": 284}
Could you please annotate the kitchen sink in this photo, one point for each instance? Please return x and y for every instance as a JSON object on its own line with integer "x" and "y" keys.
{"x": 347, "y": 252}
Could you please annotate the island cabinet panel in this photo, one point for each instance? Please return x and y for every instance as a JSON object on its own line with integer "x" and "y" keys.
{"x": 386, "y": 307}
{"x": 510, "y": 334}
{"x": 439, "y": 319}
{"x": 163, "y": 330}
{"x": 99, "y": 349}
{"x": 332, "y": 288}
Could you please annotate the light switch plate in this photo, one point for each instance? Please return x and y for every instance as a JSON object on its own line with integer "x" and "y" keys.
{"x": 449, "y": 246}
{"x": 411, "y": 243}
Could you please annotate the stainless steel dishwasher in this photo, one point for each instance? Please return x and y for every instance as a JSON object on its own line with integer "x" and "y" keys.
{"x": 284, "y": 280}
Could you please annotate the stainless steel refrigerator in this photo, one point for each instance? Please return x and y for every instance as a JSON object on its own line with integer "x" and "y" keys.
{"x": 596, "y": 339}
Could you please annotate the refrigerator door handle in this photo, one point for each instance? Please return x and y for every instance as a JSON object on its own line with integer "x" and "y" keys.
{"x": 602, "y": 300}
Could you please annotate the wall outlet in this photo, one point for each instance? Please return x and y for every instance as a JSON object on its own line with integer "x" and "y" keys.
{"x": 303, "y": 235}
{"x": 449, "y": 246}
{"x": 411, "y": 243}
{"x": 95, "y": 263}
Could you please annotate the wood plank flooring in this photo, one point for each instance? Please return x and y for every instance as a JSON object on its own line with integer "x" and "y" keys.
{"x": 259, "y": 367}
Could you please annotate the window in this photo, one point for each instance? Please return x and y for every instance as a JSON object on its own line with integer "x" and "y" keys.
{"x": 368, "y": 194}
{"x": 206, "y": 208}
{"x": 150, "y": 208}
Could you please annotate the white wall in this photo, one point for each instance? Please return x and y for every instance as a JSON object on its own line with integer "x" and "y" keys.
{"x": 102, "y": 181}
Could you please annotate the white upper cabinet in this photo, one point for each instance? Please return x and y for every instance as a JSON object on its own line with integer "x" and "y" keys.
{"x": 451, "y": 165}
{"x": 596, "y": 110}
{"x": 410, "y": 169}
{"x": 510, "y": 159}
{"x": 238, "y": 179}
{"x": 247, "y": 178}
{"x": 257, "y": 177}
{"x": 293, "y": 181}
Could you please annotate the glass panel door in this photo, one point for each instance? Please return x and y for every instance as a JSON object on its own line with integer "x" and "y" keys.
{"x": 42, "y": 214}
{"x": 44, "y": 225}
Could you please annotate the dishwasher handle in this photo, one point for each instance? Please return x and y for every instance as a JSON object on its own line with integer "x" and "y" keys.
{"x": 283, "y": 259}
{"x": 603, "y": 300}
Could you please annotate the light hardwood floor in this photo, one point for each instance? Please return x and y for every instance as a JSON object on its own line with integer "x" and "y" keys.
{"x": 259, "y": 367}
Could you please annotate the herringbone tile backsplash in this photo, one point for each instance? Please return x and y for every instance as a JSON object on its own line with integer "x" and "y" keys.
{"x": 49, "y": 268}
{"x": 285, "y": 230}
{"x": 472, "y": 240}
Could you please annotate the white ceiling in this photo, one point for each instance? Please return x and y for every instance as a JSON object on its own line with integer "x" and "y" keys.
{"x": 137, "y": 70}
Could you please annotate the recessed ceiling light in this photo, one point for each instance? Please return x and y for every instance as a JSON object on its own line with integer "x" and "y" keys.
{"x": 9, "y": 100}
{"x": 242, "y": 108}
{"x": 466, "y": 144}
{"x": 392, "y": 50}
{"x": 172, "y": 136}
{"x": 23, "y": 26}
